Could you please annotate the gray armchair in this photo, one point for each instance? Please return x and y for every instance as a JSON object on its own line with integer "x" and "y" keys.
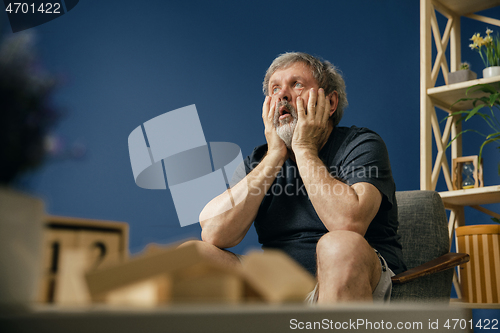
{"x": 424, "y": 237}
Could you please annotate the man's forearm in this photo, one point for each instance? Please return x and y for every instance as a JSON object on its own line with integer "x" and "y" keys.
{"x": 337, "y": 204}
{"x": 224, "y": 227}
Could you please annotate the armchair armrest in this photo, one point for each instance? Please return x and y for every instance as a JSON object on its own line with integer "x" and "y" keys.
{"x": 442, "y": 263}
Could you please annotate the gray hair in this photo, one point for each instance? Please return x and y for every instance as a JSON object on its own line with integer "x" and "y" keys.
{"x": 327, "y": 75}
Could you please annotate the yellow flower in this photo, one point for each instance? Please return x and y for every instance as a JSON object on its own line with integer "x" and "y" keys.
{"x": 488, "y": 31}
{"x": 476, "y": 38}
{"x": 473, "y": 46}
{"x": 488, "y": 39}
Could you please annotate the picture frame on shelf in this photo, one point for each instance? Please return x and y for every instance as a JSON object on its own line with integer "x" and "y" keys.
{"x": 458, "y": 170}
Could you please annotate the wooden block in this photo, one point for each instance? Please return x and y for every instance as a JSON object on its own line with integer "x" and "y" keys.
{"x": 250, "y": 295}
{"x": 207, "y": 283}
{"x": 236, "y": 290}
{"x": 277, "y": 277}
{"x": 135, "y": 270}
{"x": 55, "y": 242}
{"x": 103, "y": 247}
{"x": 21, "y": 231}
{"x": 81, "y": 224}
{"x": 153, "y": 248}
{"x": 71, "y": 287}
{"x": 149, "y": 292}
{"x": 105, "y": 242}
{"x": 220, "y": 288}
{"x": 273, "y": 277}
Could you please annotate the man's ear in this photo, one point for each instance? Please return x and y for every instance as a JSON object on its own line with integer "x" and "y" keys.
{"x": 334, "y": 102}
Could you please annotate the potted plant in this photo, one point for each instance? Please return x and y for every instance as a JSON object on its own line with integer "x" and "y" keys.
{"x": 489, "y": 50}
{"x": 463, "y": 74}
{"x": 25, "y": 119}
{"x": 489, "y": 100}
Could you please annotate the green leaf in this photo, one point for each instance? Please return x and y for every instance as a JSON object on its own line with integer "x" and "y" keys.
{"x": 484, "y": 144}
{"x": 456, "y": 113}
{"x": 493, "y": 99}
{"x": 493, "y": 135}
{"x": 462, "y": 132}
{"x": 484, "y": 87}
{"x": 474, "y": 111}
{"x": 484, "y": 99}
{"x": 464, "y": 100}
{"x": 485, "y": 117}
{"x": 462, "y": 118}
{"x": 485, "y": 62}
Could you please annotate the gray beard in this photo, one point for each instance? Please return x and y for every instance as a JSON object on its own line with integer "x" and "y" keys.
{"x": 285, "y": 127}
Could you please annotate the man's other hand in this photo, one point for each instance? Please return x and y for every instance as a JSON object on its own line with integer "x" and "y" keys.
{"x": 274, "y": 143}
{"x": 312, "y": 129}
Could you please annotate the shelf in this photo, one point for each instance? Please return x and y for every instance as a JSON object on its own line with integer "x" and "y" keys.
{"x": 471, "y": 197}
{"x": 464, "y": 7}
{"x": 449, "y": 94}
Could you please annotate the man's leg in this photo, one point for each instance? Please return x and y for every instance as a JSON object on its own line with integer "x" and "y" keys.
{"x": 348, "y": 268}
{"x": 221, "y": 257}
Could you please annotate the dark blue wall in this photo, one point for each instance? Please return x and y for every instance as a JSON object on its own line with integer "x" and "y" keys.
{"x": 127, "y": 61}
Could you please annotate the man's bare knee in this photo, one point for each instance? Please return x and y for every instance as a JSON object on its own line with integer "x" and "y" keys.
{"x": 340, "y": 245}
{"x": 349, "y": 253}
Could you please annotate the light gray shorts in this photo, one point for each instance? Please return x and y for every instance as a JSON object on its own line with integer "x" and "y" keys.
{"x": 382, "y": 292}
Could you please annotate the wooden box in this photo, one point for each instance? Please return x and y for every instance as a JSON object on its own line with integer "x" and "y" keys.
{"x": 101, "y": 243}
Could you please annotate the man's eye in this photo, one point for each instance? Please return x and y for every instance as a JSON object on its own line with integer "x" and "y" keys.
{"x": 298, "y": 85}
{"x": 276, "y": 90}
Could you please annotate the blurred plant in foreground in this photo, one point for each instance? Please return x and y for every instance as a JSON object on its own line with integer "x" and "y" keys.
{"x": 26, "y": 112}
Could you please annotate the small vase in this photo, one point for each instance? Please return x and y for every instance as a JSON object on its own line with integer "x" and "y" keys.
{"x": 491, "y": 71}
{"x": 461, "y": 76}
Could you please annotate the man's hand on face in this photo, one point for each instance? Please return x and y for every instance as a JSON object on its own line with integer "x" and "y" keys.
{"x": 274, "y": 142}
{"x": 311, "y": 131}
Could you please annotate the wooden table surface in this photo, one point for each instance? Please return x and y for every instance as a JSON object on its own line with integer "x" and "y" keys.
{"x": 254, "y": 318}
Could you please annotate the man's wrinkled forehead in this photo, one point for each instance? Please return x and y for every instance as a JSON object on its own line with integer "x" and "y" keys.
{"x": 305, "y": 73}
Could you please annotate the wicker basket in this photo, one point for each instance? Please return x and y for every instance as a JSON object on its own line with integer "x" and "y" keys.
{"x": 480, "y": 277}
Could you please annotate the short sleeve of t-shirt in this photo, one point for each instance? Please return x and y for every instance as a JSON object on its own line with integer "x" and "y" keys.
{"x": 365, "y": 159}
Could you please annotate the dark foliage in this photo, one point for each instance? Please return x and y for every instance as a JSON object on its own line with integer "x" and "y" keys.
{"x": 26, "y": 115}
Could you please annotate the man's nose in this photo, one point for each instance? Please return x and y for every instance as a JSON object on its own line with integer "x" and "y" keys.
{"x": 284, "y": 94}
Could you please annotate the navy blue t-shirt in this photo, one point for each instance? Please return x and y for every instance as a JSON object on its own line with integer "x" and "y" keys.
{"x": 286, "y": 219}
